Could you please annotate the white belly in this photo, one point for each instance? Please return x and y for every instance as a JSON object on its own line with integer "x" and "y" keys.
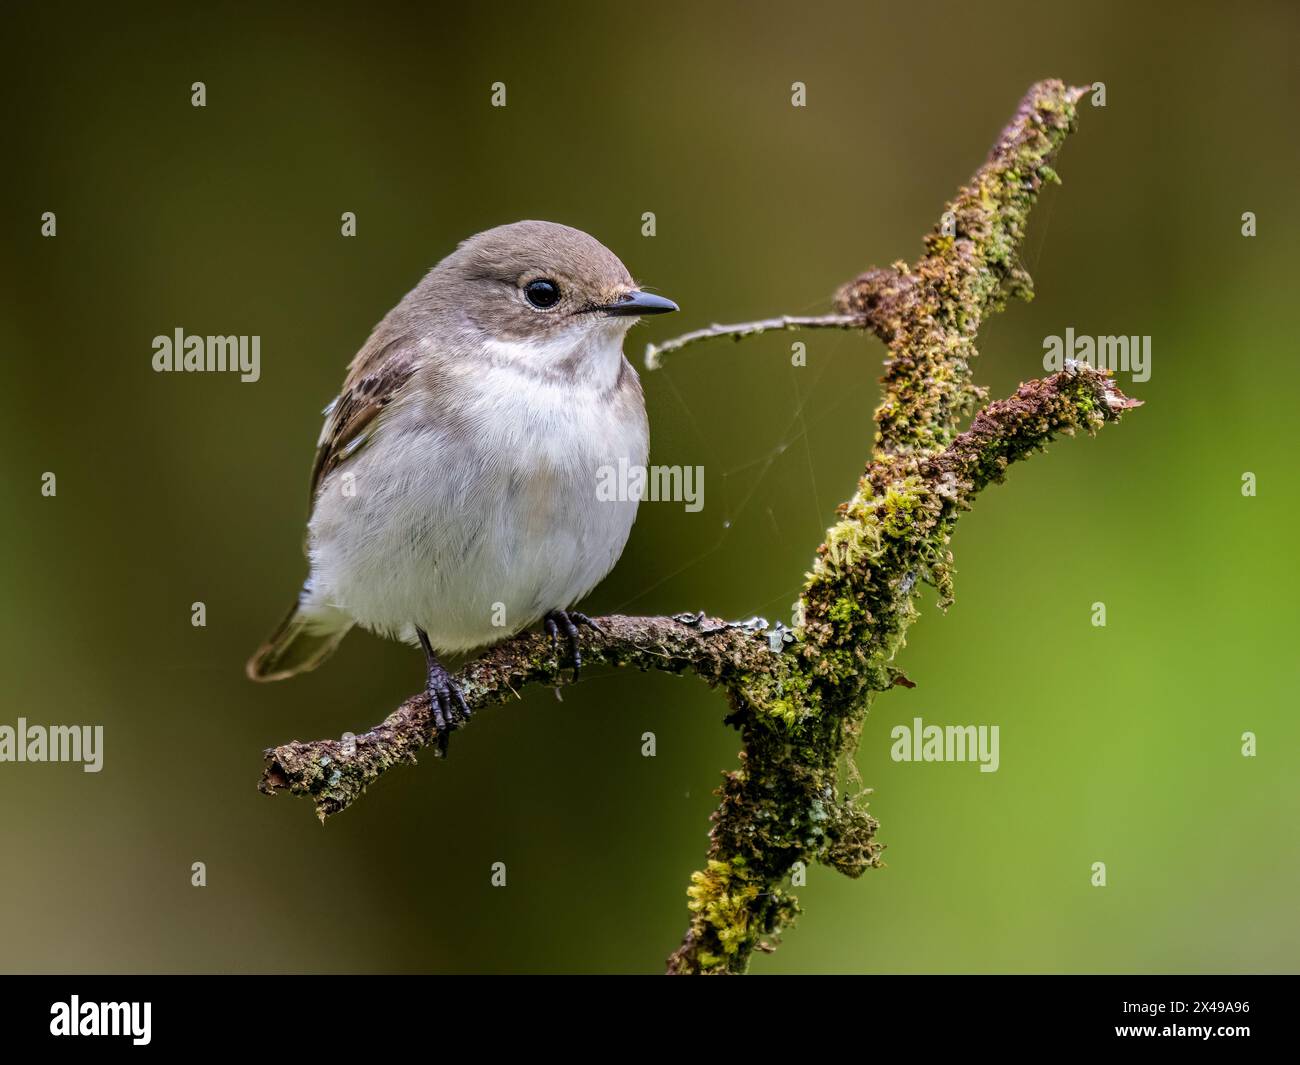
{"x": 475, "y": 530}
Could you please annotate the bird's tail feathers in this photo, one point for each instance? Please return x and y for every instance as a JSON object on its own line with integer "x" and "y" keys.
{"x": 302, "y": 642}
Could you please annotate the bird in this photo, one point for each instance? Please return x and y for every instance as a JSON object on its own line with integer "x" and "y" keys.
{"x": 454, "y": 492}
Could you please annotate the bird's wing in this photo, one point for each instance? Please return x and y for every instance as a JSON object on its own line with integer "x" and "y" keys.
{"x": 376, "y": 377}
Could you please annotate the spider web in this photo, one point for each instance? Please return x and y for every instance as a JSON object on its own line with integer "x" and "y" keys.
{"x": 789, "y": 478}
{"x": 778, "y": 495}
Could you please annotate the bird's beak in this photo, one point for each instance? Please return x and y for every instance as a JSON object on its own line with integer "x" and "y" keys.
{"x": 637, "y": 302}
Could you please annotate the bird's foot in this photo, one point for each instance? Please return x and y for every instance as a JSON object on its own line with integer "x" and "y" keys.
{"x": 567, "y": 622}
{"x": 447, "y": 703}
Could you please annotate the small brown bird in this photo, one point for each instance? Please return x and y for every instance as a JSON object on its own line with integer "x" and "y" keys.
{"x": 454, "y": 494}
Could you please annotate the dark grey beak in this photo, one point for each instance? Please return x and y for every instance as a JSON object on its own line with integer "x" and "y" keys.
{"x": 638, "y": 302}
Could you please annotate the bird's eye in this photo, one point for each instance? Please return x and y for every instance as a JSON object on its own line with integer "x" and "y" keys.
{"x": 542, "y": 293}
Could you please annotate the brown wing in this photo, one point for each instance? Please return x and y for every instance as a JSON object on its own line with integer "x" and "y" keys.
{"x": 375, "y": 378}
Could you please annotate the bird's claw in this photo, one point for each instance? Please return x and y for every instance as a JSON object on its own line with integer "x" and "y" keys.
{"x": 567, "y": 621}
{"x": 447, "y": 705}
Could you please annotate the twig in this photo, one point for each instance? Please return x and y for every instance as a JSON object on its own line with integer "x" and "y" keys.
{"x": 654, "y": 352}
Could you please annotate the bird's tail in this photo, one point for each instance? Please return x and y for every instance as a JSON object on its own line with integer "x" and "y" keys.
{"x": 302, "y": 642}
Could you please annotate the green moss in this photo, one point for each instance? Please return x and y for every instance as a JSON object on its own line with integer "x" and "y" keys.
{"x": 851, "y": 848}
{"x": 784, "y": 803}
{"x": 844, "y": 611}
{"x": 787, "y": 697}
{"x": 901, "y": 506}
{"x": 837, "y": 666}
{"x": 726, "y": 917}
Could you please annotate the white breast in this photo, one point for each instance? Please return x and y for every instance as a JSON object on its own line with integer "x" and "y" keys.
{"x": 474, "y": 528}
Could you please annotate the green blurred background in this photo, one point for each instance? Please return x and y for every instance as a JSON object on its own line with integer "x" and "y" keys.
{"x": 1119, "y": 744}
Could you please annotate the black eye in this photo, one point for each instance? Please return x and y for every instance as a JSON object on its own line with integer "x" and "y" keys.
{"x": 542, "y": 293}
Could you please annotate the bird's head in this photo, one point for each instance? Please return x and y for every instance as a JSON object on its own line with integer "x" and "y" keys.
{"x": 543, "y": 296}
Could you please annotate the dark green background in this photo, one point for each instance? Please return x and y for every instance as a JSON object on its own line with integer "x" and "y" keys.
{"x": 1119, "y": 744}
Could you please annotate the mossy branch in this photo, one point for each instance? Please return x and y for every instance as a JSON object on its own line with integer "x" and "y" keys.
{"x": 800, "y": 697}
{"x": 335, "y": 773}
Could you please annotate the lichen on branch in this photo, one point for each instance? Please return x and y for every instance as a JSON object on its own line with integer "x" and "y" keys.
{"x": 335, "y": 773}
{"x": 785, "y": 803}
